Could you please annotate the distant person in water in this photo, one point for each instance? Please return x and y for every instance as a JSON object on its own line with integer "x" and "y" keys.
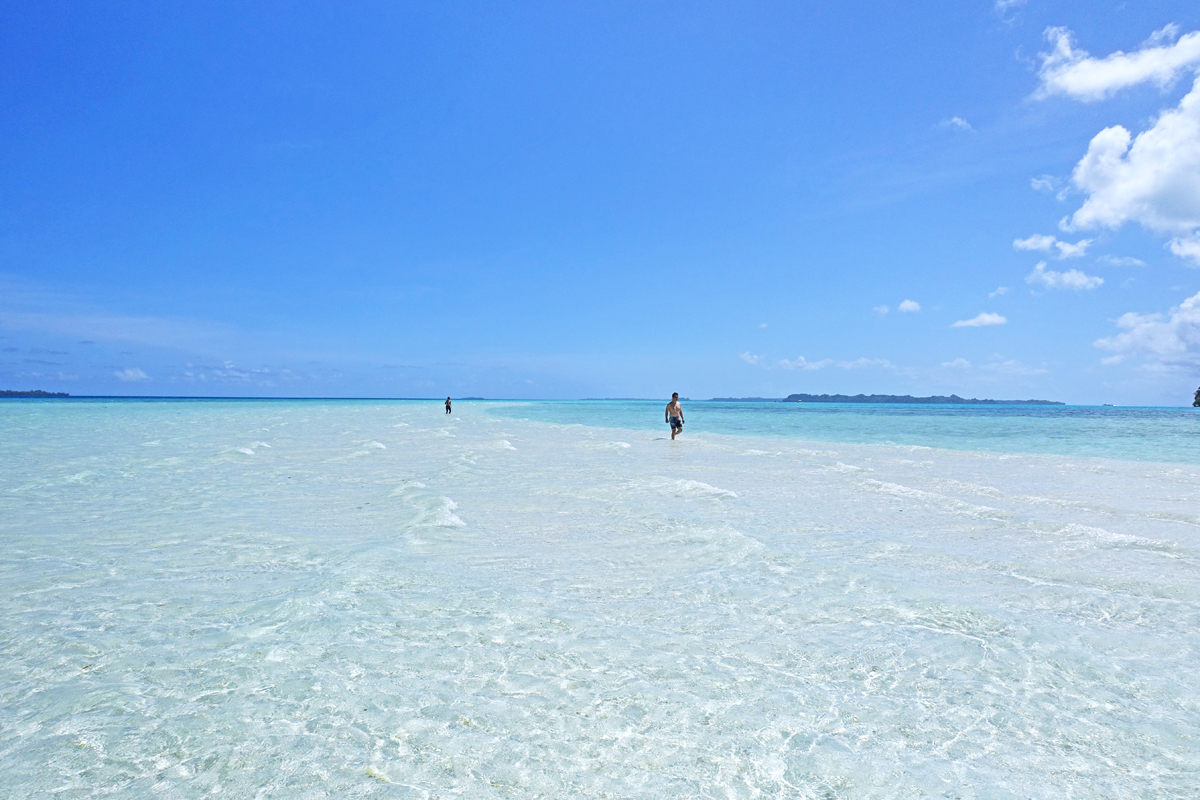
{"x": 447, "y": 405}
{"x": 675, "y": 415}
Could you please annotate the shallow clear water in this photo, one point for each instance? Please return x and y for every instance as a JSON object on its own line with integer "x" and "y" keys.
{"x": 1139, "y": 434}
{"x": 312, "y": 599}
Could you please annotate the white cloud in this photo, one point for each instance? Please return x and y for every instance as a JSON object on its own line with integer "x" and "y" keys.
{"x": 1153, "y": 179}
{"x": 227, "y": 372}
{"x": 958, "y": 363}
{"x": 983, "y": 318}
{"x": 880, "y": 310}
{"x": 1071, "y": 279}
{"x": 131, "y": 374}
{"x": 999, "y": 290}
{"x": 957, "y": 123}
{"x": 1069, "y": 71}
{"x": 1077, "y": 250}
{"x": 801, "y": 362}
{"x": 750, "y": 359}
{"x": 1120, "y": 261}
{"x": 1186, "y": 247}
{"x": 1166, "y": 341}
{"x": 762, "y": 324}
{"x": 1044, "y": 243}
{"x": 1044, "y": 183}
{"x": 1038, "y": 241}
{"x": 910, "y": 306}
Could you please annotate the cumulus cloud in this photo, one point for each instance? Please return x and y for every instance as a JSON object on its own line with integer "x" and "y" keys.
{"x": 131, "y": 374}
{"x": 1045, "y": 243}
{"x": 749, "y": 359}
{"x": 800, "y": 362}
{"x": 1153, "y": 179}
{"x": 998, "y": 291}
{"x": 956, "y": 123}
{"x": 982, "y": 319}
{"x": 1165, "y": 341}
{"x": 958, "y": 363}
{"x": 1186, "y": 247}
{"x": 1068, "y": 70}
{"x": 910, "y": 306}
{"x": 1071, "y": 279}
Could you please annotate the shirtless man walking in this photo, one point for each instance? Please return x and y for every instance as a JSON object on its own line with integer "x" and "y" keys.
{"x": 675, "y": 415}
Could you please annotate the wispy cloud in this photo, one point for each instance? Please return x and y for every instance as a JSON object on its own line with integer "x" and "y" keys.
{"x": 863, "y": 363}
{"x": 1166, "y": 341}
{"x": 1046, "y": 243}
{"x": 229, "y": 373}
{"x": 998, "y": 291}
{"x": 1039, "y": 241}
{"x": 1068, "y": 70}
{"x": 956, "y": 123}
{"x": 158, "y": 331}
{"x": 984, "y": 318}
{"x": 1071, "y": 279}
{"x": 958, "y": 363}
{"x": 1007, "y": 9}
{"x": 1012, "y": 367}
{"x": 1120, "y": 261}
{"x": 910, "y": 306}
{"x": 800, "y": 362}
{"x": 1043, "y": 183}
{"x": 880, "y": 310}
{"x": 131, "y": 374}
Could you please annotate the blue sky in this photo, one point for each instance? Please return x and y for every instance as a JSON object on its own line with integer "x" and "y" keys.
{"x": 601, "y": 200}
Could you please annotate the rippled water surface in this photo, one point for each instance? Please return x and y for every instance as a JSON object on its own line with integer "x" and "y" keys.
{"x": 1140, "y": 434}
{"x": 367, "y": 599}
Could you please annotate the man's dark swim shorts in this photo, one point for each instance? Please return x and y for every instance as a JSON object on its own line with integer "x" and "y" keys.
{"x": 676, "y": 423}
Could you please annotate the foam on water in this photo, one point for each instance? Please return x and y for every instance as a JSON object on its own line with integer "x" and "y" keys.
{"x": 382, "y": 602}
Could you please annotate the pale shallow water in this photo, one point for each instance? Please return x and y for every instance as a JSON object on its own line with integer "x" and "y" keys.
{"x": 359, "y": 599}
{"x": 1169, "y": 435}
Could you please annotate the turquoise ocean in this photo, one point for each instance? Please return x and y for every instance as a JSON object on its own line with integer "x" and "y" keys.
{"x": 317, "y": 598}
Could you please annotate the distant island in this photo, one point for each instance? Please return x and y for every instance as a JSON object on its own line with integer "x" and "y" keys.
{"x": 34, "y": 393}
{"x": 906, "y": 398}
{"x": 888, "y": 398}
